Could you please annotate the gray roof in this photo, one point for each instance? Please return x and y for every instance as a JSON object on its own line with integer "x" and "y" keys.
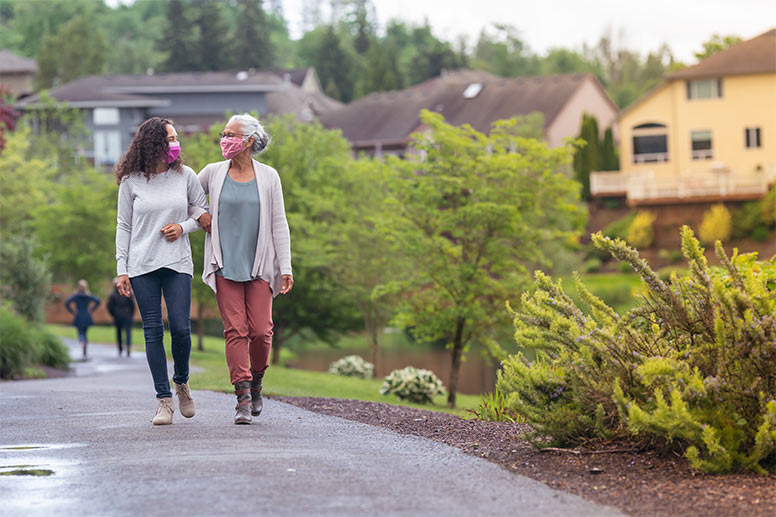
{"x": 391, "y": 117}
{"x": 138, "y": 90}
{"x": 11, "y": 63}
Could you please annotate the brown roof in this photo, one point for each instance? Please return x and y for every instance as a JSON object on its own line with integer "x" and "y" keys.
{"x": 10, "y": 63}
{"x": 390, "y": 117}
{"x": 754, "y": 56}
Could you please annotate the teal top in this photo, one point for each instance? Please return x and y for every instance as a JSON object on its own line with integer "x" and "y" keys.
{"x": 238, "y": 228}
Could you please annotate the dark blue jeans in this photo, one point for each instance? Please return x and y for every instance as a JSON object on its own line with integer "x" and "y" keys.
{"x": 176, "y": 288}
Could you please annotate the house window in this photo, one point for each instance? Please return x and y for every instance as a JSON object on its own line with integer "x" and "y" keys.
{"x": 650, "y": 143}
{"x": 107, "y": 147}
{"x": 704, "y": 89}
{"x": 701, "y": 145}
{"x": 106, "y": 116}
{"x": 753, "y": 138}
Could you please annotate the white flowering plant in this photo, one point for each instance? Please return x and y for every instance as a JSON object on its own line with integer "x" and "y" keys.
{"x": 413, "y": 384}
{"x": 352, "y": 366}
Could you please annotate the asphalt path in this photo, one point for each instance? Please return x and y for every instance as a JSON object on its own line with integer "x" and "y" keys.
{"x": 92, "y": 432}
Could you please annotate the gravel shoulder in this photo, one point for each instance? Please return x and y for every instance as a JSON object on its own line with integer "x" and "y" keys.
{"x": 638, "y": 483}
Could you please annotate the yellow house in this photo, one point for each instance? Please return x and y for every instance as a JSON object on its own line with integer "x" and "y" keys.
{"x": 707, "y": 133}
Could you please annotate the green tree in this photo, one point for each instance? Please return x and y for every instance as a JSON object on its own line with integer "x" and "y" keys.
{"x": 77, "y": 229}
{"x": 504, "y": 53}
{"x": 25, "y": 182}
{"x": 323, "y": 48}
{"x": 430, "y": 55}
{"x": 213, "y": 42}
{"x": 134, "y": 29}
{"x": 716, "y": 44}
{"x": 24, "y": 278}
{"x": 468, "y": 217}
{"x": 77, "y": 49}
{"x": 587, "y": 156}
{"x": 609, "y": 160}
{"x": 252, "y": 46}
{"x": 179, "y": 39}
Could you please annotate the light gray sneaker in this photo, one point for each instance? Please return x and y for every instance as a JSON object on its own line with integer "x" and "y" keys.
{"x": 185, "y": 400}
{"x": 164, "y": 412}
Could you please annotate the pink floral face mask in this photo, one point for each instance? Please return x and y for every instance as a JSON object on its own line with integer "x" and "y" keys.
{"x": 231, "y": 146}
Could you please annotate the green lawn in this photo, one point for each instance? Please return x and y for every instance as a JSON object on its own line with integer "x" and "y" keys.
{"x": 618, "y": 290}
{"x": 279, "y": 380}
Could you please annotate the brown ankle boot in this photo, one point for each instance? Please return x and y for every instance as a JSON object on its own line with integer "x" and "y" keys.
{"x": 257, "y": 404}
{"x": 243, "y": 410}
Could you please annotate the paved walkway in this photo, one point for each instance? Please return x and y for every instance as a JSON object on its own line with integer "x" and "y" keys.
{"x": 93, "y": 430}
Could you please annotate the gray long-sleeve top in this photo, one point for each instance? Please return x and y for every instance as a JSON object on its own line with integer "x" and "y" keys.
{"x": 144, "y": 208}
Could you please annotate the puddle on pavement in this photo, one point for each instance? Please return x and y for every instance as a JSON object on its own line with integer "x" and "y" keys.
{"x": 22, "y": 448}
{"x": 28, "y": 472}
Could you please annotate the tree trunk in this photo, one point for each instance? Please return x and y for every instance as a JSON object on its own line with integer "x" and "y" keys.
{"x": 373, "y": 330}
{"x": 200, "y": 328}
{"x": 456, "y": 353}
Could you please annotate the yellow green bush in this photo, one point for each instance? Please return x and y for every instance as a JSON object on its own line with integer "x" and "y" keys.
{"x": 717, "y": 225}
{"x": 691, "y": 368}
{"x": 640, "y": 232}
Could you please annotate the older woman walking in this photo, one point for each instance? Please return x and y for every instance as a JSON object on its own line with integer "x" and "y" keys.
{"x": 247, "y": 255}
{"x": 159, "y": 203}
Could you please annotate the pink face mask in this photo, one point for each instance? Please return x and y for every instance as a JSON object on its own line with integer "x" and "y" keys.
{"x": 231, "y": 146}
{"x": 173, "y": 152}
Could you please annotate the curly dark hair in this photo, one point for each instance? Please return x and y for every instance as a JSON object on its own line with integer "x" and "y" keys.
{"x": 147, "y": 149}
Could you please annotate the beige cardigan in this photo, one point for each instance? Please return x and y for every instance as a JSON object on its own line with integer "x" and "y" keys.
{"x": 273, "y": 247}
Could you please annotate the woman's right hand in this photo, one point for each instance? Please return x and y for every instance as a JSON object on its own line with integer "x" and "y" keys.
{"x": 122, "y": 284}
{"x": 204, "y": 221}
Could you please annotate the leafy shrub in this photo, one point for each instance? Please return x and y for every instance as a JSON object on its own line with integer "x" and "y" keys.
{"x": 52, "y": 352}
{"x": 761, "y": 233}
{"x": 692, "y": 367}
{"x": 413, "y": 384}
{"x": 493, "y": 408}
{"x": 24, "y": 279}
{"x": 640, "y": 232}
{"x": 22, "y": 345}
{"x": 352, "y": 366}
{"x": 592, "y": 265}
{"x": 619, "y": 228}
{"x": 746, "y": 218}
{"x": 17, "y": 350}
{"x": 768, "y": 208}
{"x": 717, "y": 225}
{"x": 673, "y": 256}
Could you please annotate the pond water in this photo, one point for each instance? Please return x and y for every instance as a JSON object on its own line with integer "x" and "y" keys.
{"x": 477, "y": 375}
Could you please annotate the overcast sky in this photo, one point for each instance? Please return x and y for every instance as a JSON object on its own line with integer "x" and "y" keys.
{"x": 543, "y": 24}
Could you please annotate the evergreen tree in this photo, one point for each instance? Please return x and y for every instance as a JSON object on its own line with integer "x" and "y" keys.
{"x": 252, "y": 45}
{"x": 77, "y": 49}
{"x": 213, "y": 42}
{"x": 178, "y": 40}
{"x": 334, "y": 65}
{"x": 586, "y": 159}
{"x": 608, "y": 160}
{"x": 380, "y": 74}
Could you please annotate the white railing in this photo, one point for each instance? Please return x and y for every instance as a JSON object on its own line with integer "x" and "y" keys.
{"x": 645, "y": 185}
{"x": 650, "y": 157}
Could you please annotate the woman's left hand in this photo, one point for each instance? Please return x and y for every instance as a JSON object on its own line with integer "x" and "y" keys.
{"x": 172, "y": 232}
{"x": 288, "y": 283}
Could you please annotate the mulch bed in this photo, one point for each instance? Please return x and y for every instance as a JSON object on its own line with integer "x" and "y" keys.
{"x": 638, "y": 483}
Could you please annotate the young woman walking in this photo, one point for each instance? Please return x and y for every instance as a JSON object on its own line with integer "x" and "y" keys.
{"x": 85, "y": 304}
{"x": 247, "y": 255}
{"x": 159, "y": 203}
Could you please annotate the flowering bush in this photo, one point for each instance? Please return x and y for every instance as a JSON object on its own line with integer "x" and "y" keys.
{"x": 413, "y": 384}
{"x": 640, "y": 232}
{"x": 693, "y": 366}
{"x": 352, "y": 366}
{"x": 717, "y": 225}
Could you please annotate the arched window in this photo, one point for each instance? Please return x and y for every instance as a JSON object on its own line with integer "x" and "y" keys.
{"x": 650, "y": 143}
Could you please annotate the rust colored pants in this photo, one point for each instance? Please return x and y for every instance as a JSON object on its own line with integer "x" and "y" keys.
{"x": 246, "y": 310}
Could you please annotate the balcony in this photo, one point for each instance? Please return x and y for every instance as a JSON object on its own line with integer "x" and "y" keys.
{"x": 717, "y": 182}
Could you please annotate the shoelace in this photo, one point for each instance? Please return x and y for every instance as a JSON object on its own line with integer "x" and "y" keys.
{"x": 184, "y": 390}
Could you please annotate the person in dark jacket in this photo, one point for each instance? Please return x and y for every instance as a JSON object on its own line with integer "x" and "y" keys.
{"x": 85, "y": 303}
{"x": 123, "y": 311}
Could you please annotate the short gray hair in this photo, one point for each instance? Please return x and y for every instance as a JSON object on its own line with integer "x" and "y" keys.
{"x": 251, "y": 127}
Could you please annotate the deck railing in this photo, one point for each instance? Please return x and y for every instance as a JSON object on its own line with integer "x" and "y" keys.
{"x": 645, "y": 185}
